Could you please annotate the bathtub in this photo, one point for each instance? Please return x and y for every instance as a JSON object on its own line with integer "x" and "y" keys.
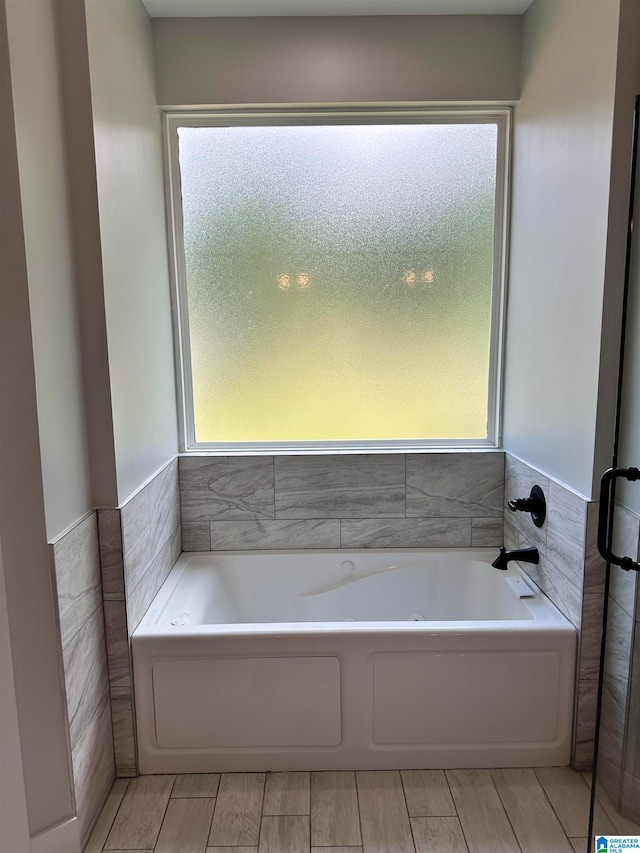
{"x": 351, "y": 660}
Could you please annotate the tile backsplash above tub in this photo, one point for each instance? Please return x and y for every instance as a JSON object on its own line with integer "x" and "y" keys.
{"x": 439, "y": 500}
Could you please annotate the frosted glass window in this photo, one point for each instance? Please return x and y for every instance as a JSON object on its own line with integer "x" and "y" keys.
{"x": 339, "y": 280}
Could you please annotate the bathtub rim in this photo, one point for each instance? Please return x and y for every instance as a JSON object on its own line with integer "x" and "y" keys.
{"x": 149, "y": 628}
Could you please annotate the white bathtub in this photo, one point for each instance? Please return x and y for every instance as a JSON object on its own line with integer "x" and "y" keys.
{"x": 252, "y": 661}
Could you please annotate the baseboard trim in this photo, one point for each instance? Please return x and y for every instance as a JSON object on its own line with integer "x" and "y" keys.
{"x": 62, "y": 838}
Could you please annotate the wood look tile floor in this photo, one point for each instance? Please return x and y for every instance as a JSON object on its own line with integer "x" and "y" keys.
{"x": 542, "y": 810}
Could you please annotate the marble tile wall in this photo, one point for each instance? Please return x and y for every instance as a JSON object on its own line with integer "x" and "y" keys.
{"x": 342, "y": 501}
{"x": 76, "y": 564}
{"x": 619, "y": 755}
{"x": 139, "y": 543}
{"x": 570, "y": 573}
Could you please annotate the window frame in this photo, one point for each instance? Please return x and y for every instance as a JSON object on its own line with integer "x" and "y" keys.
{"x": 279, "y": 116}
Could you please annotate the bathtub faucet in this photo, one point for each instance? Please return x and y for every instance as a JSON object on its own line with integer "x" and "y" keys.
{"x": 526, "y": 555}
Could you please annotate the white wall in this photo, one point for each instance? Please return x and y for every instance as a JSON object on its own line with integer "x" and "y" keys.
{"x": 561, "y": 176}
{"x": 128, "y": 150}
{"x": 14, "y": 828}
{"x": 35, "y": 640}
{"x": 204, "y": 61}
{"x": 39, "y": 131}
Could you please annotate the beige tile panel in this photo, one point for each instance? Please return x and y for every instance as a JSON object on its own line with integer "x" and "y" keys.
{"x": 107, "y": 816}
{"x": 284, "y": 834}
{"x": 528, "y": 809}
{"x": 569, "y": 795}
{"x": 287, "y": 794}
{"x": 238, "y": 810}
{"x": 196, "y": 785}
{"x": 334, "y": 810}
{"x": 427, "y": 793}
{"x": 383, "y": 813}
{"x": 186, "y": 826}
{"x": 482, "y": 816}
{"x": 438, "y": 835}
{"x": 139, "y": 818}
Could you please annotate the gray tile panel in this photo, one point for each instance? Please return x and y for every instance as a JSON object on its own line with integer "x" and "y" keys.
{"x": 585, "y": 726}
{"x": 76, "y": 560}
{"x": 590, "y": 635}
{"x": 85, "y": 674}
{"x": 406, "y": 533}
{"x": 487, "y": 532}
{"x": 555, "y": 585}
{"x": 217, "y": 487}
{"x": 594, "y": 565}
{"x": 136, "y": 538}
{"x": 449, "y": 485}
{"x": 141, "y": 597}
{"x": 164, "y": 506}
{"x": 274, "y": 533}
{"x": 176, "y": 544}
{"x": 350, "y": 486}
{"x": 93, "y": 767}
{"x": 112, "y": 566}
{"x": 566, "y": 531}
{"x": 196, "y": 536}
{"x": 519, "y": 480}
{"x": 117, "y": 638}
{"x": 123, "y": 737}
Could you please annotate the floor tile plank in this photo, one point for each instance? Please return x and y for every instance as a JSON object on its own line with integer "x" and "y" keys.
{"x": 579, "y": 844}
{"x": 529, "y": 811}
{"x": 334, "y": 810}
{"x": 482, "y": 816}
{"x": 569, "y": 795}
{"x": 232, "y": 850}
{"x": 186, "y": 826}
{"x": 137, "y": 824}
{"x": 438, "y": 835}
{"x": 236, "y": 820}
{"x": 623, "y": 825}
{"x": 107, "y": 816}
{"x": 383, "y": 812}
{"x": 427, "y": 793}
{"x": 190, "y": 785}
{"x": 284, "y": 834}
{"x": 287, "y": 794}
{"x": 336, "y": 850}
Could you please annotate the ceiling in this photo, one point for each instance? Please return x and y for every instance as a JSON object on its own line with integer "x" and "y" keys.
{"x": 294, "y": 8}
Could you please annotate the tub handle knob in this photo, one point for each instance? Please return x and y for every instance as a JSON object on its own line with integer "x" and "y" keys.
{"x": 535, "y": 504}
